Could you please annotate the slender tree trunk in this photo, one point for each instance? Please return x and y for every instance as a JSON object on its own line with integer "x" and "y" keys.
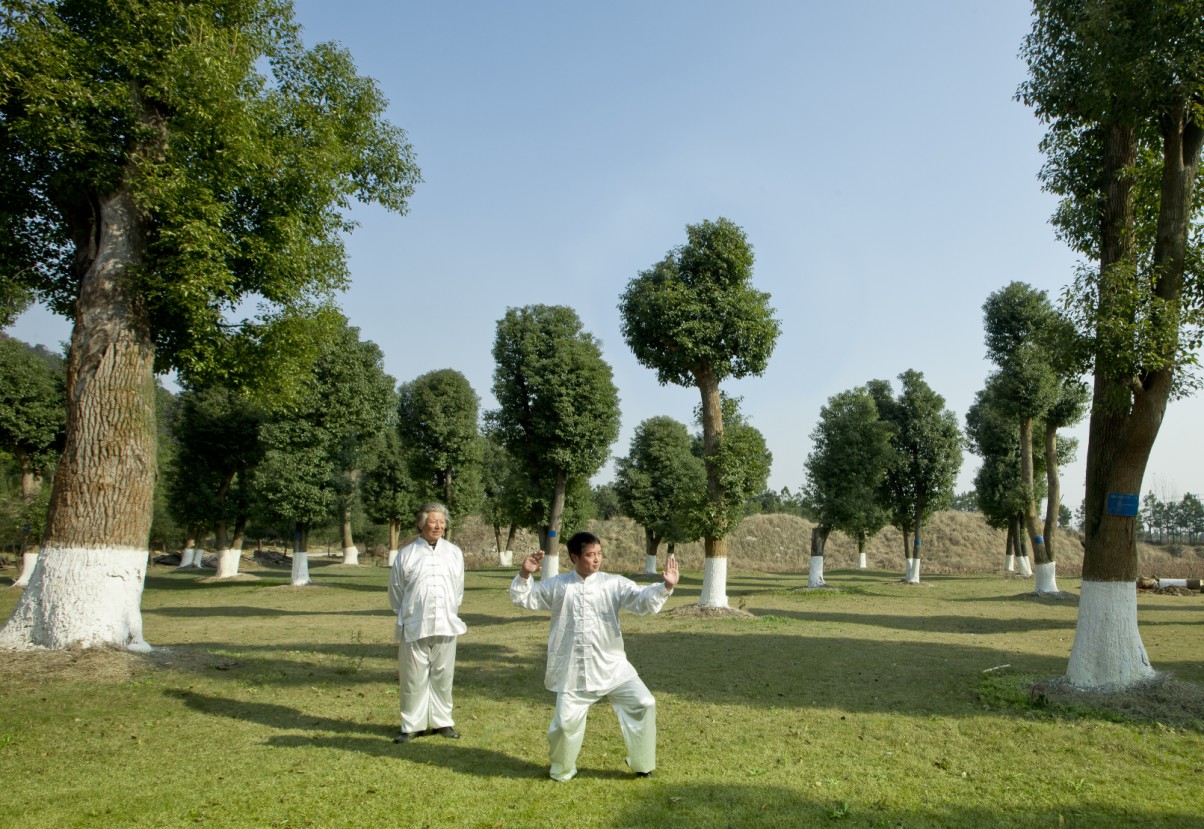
{"x": 551, "y": 533}
{"x": 652, "y": 545}
{"x": 861, "y": 564}
{"x": 913, "y": 571}
{"x": 1041, "y": 554}
{"x": 31, "y": 487}
{"x": 300, "y": 576}
{"x": 87, "y": 588}
{"x": 819, "y": 538}
{"x": 511, "y": 534}
{"x": 714, "y": 574}
{"x": 1053, "y": 486}
{"x": 394, "y": 539}
{"x": 1009, "y": 552}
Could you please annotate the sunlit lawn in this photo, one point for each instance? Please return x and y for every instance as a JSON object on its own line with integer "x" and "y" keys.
{"x": 269, "y": 706}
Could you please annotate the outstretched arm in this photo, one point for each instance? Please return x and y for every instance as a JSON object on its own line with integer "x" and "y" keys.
{"x": 671, "y": 574}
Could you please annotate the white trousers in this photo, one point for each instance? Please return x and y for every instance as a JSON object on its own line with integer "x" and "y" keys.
{"x": 426, "y": 669}
{"x": 636, "y": 709}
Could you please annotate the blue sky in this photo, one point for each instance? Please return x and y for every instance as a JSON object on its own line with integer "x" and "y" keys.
{"x": 872, "y": 151}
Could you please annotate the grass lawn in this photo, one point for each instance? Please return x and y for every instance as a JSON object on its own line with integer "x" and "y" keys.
{"x": 265, "y": 705}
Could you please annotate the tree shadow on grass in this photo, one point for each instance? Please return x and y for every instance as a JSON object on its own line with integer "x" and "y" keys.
{"x": 924, "y": 624}
{"x": 751, "y": 807}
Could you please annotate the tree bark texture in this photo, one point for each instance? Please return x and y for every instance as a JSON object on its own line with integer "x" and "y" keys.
{"x": 1041, "y": 554}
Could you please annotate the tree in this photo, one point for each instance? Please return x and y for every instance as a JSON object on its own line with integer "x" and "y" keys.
{"x": 217, "y": 439}
{"x": 558, "y": 409}
{"x": 437, "y": 420}
{"x": 1120, "y": 85}
{"x": 163, "y": 162}
{"x": 845, "y": 471}
{"x": 390, "y": 494}
{"x": 33, "y": 414}
{"x": 661, "y": 484}
{"x": 927, "y": 455}
{"x": 696, "y": 320}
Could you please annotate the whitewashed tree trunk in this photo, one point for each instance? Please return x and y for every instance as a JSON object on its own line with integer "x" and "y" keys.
{"x": 714, "y": 582}
{"x": 351, "y": 555}
{"x": 815, "y": 576}
{"x": 1026, "y": 566}
{"x": 551, "y": 566}
{"x": 1009, "y": 564}
{"x": 113, "y": 601}
{"x": 29, "y": 560}
{"x": 186, "y": 558}
{"x": 300, "y": 569}
{"x": 227, "y": 563}
{"x": 1107, "y": 651}
{"x": 392, "y": 556}
{"x": 861, "y": 565}
{"x": 505, "y": 558}
{"x": 1047, "y": 579}
{"x": 913, "y": 570}
{"x": 650, "y": 565}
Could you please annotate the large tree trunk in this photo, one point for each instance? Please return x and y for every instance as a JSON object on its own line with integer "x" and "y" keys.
{"x": 913, "y": 563}
{"x": 714, "y": 574}
{"x": 1047, "y": 571}
{"x": 819, "y": 538}
{"x": 1108, "y": 651}
{"x": 230, "y": 556}
{"x": 551, "y": 533}
{"x": 87, "y": 587}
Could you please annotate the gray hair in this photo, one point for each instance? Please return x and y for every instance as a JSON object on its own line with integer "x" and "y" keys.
{"x": 427, "y": 509}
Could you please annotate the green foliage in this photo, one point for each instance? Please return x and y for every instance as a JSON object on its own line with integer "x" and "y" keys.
{"x": 926, "y": 447}
{"x": 437, "y": 420}
{"x": 558, "y": 408}
{"x": 661, "y": 483}
{"x": 241, "y": 147}
{"x": 695, "y": 312}
{"x": 606, "y": 502}
{"x": 389, "y": 492}
{"x": 846, "y": 468}
{"x": 33, "y": 406}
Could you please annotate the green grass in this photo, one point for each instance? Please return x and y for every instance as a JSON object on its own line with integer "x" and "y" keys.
{"x": 269, "y": 706}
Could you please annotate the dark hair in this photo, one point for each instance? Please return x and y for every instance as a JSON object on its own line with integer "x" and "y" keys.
{"x": 580, "y": 541}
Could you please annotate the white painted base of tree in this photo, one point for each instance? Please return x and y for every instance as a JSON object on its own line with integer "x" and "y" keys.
{"x": 1047, "y": 578}
{"x": 650, "y": 565}
{"x": 1108, "y": 652}
{"x": 1009, "y": 563}
{"x": 392, "y": 557}
{"x": 714, "y": 583}
{"x": 300, "y": 569}
{"x": 861, "y": 565}
{"x": 913, "y": 571}
{"x": 1026, "y": 566}
{"x": 505, "y": 558}
{"x": 815, "y": 575}
{"x": 28, "y": 562}
{"x": 351, "y": 555}
{"x": 186, "y": 558}
{"x": 81, "y": 597}
{"x": 227, "y": 563}
{"x": 551, "y": 566}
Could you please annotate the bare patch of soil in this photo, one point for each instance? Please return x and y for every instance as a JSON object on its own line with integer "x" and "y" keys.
{"x": 1162, "y": 699}
{"x": 30, "y": 669}
{"x": 697, "y": 611}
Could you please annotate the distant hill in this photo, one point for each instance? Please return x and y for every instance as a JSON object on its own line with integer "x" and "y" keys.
{"x": 953, "y": 542}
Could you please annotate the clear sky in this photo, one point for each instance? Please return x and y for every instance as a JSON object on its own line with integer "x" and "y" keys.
{"x": 871, "y": 150}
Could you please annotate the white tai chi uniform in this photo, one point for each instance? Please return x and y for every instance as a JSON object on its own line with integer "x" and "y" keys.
{"x": 586, "y": 661}
{"x": 426, "y": 586}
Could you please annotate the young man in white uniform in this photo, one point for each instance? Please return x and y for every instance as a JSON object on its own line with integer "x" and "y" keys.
{"x": 586, "y": 660}
{"x": 426, "y": 587}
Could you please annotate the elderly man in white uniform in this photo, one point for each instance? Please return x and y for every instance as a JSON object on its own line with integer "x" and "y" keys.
{"x": 426, "y": 586}
{"x": 586, "y": 660}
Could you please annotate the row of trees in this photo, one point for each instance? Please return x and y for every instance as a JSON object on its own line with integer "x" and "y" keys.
{"x": 1179, "y": 521}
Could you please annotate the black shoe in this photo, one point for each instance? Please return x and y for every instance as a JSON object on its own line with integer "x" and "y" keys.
{"x": 405, "y": 737}
{"x": 643, "y": 774}
{"x": 446, "y": 731}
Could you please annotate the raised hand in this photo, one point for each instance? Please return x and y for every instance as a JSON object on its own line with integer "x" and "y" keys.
{"x": 531, "y": 563}
{"x": 671, "y": 574}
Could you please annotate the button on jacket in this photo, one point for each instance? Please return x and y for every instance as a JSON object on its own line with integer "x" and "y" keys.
{"x": 426, "y": 587}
